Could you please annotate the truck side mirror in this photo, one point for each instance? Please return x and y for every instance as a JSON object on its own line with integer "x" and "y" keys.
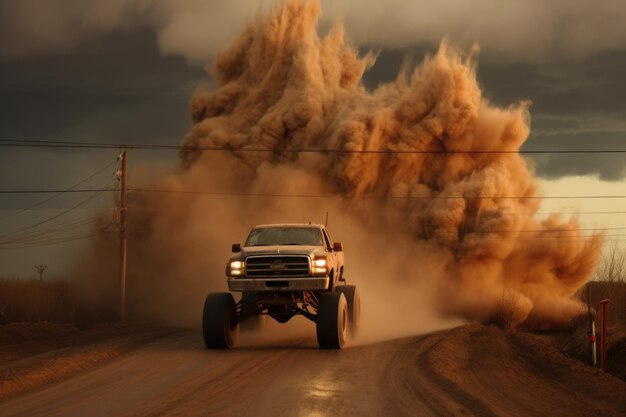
{"x": 338, "y": 247}
{"x": 236, "y": 247}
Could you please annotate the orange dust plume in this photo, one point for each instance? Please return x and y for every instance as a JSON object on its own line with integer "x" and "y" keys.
{"x": 436, "y": 206}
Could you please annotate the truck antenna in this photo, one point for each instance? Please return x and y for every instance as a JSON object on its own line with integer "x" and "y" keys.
{"x": 326, "y": 223}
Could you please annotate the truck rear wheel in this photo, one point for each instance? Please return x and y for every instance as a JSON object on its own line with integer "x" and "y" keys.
{"x": 332, "y": 320}
{"x": 353, "y": 298}
{"x": 219, "y": 321}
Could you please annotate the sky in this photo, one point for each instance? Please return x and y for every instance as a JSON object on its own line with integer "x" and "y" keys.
{"x": 123, "y": 71}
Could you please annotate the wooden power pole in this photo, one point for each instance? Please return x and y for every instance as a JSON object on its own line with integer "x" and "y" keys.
{"x": 123, "y": 236}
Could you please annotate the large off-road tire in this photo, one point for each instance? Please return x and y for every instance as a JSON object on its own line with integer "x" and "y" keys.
{"x": 332, "y": 320}
{"x": 219, "y": 321}
{"x": 353, "y": 298}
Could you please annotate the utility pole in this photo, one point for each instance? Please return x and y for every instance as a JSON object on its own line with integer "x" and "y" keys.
{"x": 123, "y": 235}
{"x": 41, "y": 269}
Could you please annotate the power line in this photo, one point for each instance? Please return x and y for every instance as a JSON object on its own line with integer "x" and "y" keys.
{"x": 48, "y": 232}
{"x": 439, "y": 197}
{"x": 79, "y": 191}
{"x": 565, "y": 212}
{"x": 50, "y": 242}
{"x": 546, "y": 233}
{"x": 115, "y": 208}
{"x": 380, "y": 197}
{"x": 507, "y": 213}
{"x": 97, "y": 193}
{"x": 99, "y": 171}
{"x": 595, "y": 229}
{"x": 110, "y": 145}
{"x": 618, "y": 237}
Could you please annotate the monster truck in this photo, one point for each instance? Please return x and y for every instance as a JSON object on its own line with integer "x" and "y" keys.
{"x": 283, "y": 270}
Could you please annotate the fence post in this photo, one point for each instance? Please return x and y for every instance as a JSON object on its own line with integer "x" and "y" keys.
{"x": 592, "y": 344}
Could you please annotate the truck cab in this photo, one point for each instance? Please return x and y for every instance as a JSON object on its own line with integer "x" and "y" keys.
{"x": 286, "y": 257}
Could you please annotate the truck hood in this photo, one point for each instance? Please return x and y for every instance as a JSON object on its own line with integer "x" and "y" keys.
{"x": 278, "y": 250}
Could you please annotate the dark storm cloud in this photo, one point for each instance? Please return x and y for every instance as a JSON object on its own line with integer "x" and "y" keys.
{"x": 94, "y": 70}
{"x": 196, "y": 29}
{"x": 607, "y": 166}
{"x": 119, "y": 89}
{"x": 576, "y": 104}
{"x": 594, "y": 84}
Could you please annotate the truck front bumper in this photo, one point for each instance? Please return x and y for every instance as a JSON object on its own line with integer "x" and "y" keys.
{"x": 278, "y": 284}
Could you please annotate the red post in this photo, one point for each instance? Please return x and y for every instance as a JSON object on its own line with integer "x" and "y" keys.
{"x": 603, "y": 310}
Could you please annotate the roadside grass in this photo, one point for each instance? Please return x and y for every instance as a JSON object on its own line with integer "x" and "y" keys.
{"x": 36, "y": 301}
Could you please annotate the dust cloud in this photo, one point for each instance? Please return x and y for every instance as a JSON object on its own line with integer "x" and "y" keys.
{"x": 431, "y": 236}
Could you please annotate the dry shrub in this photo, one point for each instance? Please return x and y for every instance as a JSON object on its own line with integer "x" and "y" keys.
{"x": 35, "y": 301}
{"x": 612, "y": 266}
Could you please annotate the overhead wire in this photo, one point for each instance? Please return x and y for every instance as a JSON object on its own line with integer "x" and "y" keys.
{"x": 54, "y": 191}
{"x": 111, "y": 145}
{"x": 61, "y": 208}
{"x": 366, "y": 196}
{"x": 46, "y": 236}
{"x": 64, "y": 212}
{"x": 61, "y": 192}
{"x": 50, "y": 231}
{"x": 508, "y": 213}
{"x": 51, "y": 242}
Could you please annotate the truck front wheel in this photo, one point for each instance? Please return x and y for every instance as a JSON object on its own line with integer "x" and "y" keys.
{"x": 219, "y": 321}
{"x": 332, "y": 320}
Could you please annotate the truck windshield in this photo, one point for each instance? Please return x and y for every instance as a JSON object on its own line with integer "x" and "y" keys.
{"x": 269, "y": 236}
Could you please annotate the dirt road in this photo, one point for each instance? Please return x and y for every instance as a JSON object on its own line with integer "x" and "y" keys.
{"x": 471, "y": 370}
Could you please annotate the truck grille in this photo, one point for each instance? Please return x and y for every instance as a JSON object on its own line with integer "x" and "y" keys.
{"x": 277, "y": 266}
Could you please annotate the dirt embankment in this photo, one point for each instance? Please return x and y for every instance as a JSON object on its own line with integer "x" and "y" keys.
{"x": 483, "y": 371}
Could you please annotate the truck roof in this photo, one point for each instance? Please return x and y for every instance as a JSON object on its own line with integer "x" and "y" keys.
{"x": 311, "y": 225}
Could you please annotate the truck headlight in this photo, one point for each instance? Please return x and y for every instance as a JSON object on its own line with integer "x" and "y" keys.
{"x": 320, "y": 266}
{"x": 236, "y": 268}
